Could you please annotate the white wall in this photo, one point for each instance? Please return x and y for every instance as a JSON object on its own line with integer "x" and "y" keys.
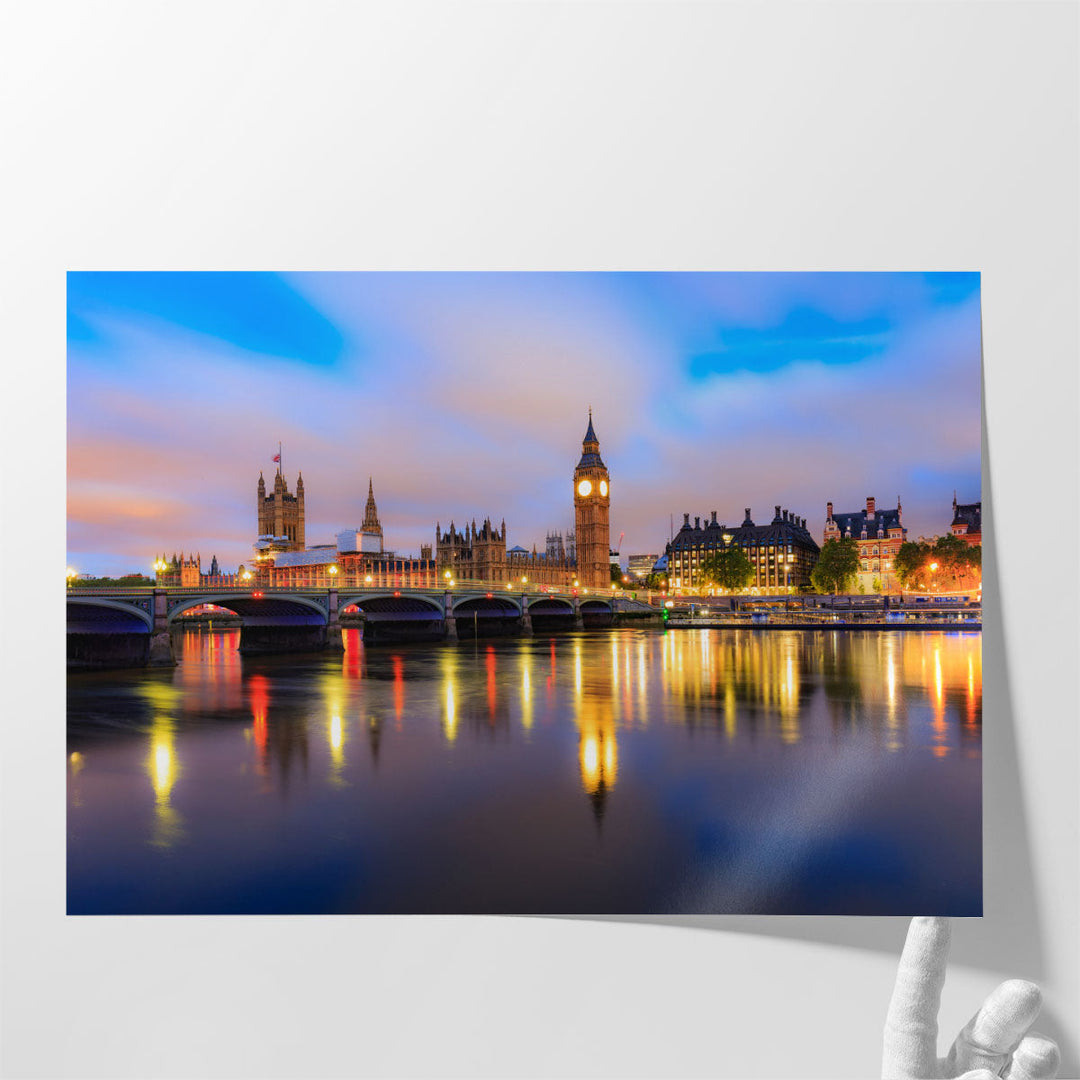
{"x": 541, "y": 136}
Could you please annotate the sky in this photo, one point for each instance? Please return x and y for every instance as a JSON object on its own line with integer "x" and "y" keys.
{"x": 466, "y": 396}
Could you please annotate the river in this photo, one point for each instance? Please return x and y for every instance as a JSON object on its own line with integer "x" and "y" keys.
{"x": 622, "y": 771}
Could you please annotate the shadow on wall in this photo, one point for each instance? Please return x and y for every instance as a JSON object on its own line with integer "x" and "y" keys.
{"x": 1008, "y": 939}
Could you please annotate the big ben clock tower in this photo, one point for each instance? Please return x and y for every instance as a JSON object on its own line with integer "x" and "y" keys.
{"x": 592, "y": 498}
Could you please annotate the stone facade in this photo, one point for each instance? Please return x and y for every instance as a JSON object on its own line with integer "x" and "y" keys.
{"x": 782, "y": 553}
{"x": 879, "y": 534}
{"x": 281, "y": 514}
{"x": 592, "y": 503}
{"x": 479, "y": 553}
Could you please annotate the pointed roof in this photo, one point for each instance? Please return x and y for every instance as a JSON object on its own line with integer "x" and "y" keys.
{"x": 371, "y": 513}
{"x": 590, "y": 449}
{"x": 590, "y": 435}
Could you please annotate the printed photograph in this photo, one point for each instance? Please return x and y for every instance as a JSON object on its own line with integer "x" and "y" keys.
{"x": 524, "y": 593}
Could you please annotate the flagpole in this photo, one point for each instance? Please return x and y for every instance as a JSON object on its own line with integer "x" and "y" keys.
{"x": 279, "y": 461}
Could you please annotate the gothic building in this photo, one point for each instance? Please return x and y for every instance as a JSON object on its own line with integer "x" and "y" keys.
{"x": 592, "y": 501}
{"x": 185, "y": 572}
{"x": 479, "y": 552}
{"x": 372, "y": 527}
{"x": 281, "y": 514}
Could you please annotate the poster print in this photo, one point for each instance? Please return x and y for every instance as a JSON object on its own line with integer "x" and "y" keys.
{"x": 524, "y": 593}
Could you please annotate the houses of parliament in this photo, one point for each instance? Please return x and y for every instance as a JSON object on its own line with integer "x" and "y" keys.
{"x": 470, "y": 553}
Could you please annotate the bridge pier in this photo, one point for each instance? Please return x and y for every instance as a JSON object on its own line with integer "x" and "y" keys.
{"x": 335, "y": 642}
{"x": 449, "y": 621}
{"x": 579, "y": 622}
{"x": 161, "y": 643}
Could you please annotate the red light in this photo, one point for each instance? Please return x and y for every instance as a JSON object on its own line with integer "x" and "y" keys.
{"x": 488, "y": 595}
{"x": 575, "y": 592}
{"x": 396, "y": 592}
{"x": 257, "y": 594}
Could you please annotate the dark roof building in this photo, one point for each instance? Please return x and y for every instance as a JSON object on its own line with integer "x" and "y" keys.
{"x": 878, "y": 534}
{"x": 967, "y": 521}
{"x": 782, "y": 552}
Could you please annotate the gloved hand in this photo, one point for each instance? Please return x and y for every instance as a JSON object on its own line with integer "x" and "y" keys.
{"x": 996, "y": 1041}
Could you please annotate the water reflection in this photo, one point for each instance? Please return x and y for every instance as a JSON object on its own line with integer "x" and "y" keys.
{"x": 163, "y": 768}
{"x": 685, "y": 746}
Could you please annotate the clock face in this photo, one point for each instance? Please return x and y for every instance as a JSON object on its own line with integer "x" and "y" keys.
{"x": 584, "y": 488}
{"x": 603, "y": 487}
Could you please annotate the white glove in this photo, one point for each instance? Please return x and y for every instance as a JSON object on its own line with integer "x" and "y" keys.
{"x": 994, "y": 1043}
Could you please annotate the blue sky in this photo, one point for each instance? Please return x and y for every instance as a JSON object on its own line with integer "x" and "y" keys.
{"x": 466, "y": 395}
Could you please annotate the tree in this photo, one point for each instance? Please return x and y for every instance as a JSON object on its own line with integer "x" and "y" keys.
{"x": 911, "y": 562}
{"x": 656, "y": 581}
{"x": 729, "y": 568}
{"x": 616, "y": 574}
{"x": 127, "y": 581}
{"x": 956, "y": 558}
{"x": 836, "y": 566}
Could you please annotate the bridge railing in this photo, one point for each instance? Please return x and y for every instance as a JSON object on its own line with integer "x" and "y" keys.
{"x": 467, "y": 585}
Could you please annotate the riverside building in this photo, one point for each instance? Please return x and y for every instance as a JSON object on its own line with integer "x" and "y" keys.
{"x": 782, "y": 552}
{"x": 879, "y": 534}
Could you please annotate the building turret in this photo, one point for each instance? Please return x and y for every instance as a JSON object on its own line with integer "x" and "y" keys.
{"x": 372, "y": 527}
{"x": 280, "y": 514}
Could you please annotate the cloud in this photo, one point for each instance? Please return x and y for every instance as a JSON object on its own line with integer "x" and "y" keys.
{"x": 466, "y": 395}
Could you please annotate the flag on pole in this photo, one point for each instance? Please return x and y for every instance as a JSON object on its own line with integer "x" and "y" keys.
{"x": 277, "y": 457}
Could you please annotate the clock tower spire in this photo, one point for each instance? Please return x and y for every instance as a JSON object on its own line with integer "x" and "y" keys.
{"x": 592, "y": 499}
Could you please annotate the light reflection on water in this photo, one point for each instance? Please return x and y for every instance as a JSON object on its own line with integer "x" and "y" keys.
{"x": 708, "y": 770}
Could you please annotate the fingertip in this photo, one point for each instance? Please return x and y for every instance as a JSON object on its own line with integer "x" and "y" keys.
{"x": 929, "y": 932}
{"x": 1038, "y": 1056}
{"x": 1026, "y": 995}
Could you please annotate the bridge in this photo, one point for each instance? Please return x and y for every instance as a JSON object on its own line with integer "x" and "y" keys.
{"x": 131, "y": 627}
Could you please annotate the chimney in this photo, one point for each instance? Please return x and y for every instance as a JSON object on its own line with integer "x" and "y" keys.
{"x": 697, "y": 523}
{"x": 870, "y": 505}
{"x": 828, "y": 511}
{"x": 785, "y": 515}
{"x": 686, "y": 521}
{"x": 713, "y": 522}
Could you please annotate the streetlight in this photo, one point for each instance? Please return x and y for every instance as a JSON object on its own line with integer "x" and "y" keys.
{"x": 71, "y": 574}
{"x": 367, "y": 580}
{"x": 332, "y": 569}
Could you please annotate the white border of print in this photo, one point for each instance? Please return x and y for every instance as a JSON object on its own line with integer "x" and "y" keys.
{"x": 537, "y": 136}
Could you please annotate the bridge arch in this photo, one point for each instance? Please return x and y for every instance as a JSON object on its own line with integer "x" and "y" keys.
{"x": 487, "y": 602}
{"x": 103, "y": 615}
{"x": 550, "y": 605}
{"x": 248, "y": 606}
{"x": 387, "y": 602}
{"x": 592, "y": 606}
